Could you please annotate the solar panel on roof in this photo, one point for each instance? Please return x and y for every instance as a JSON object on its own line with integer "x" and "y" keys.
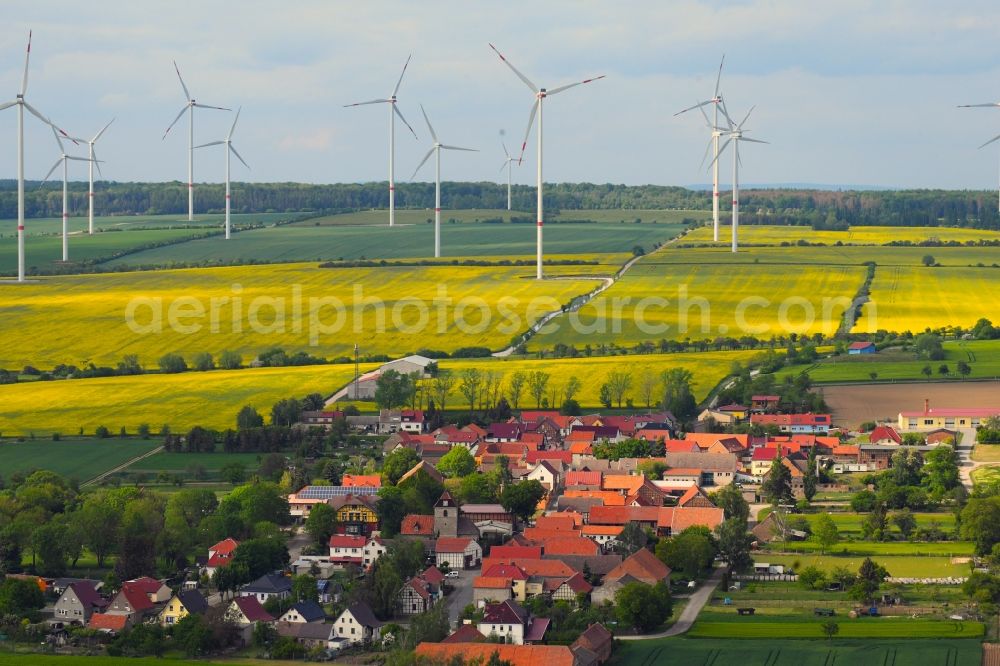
{"x": 329, "y": 492}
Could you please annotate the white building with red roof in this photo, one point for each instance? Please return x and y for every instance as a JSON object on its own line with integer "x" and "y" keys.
{"x": 346, "y": 550}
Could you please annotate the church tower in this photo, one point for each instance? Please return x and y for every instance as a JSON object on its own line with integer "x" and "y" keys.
{"x": 446, "y": 516}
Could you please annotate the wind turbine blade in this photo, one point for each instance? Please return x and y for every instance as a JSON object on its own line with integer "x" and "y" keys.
{"x": 746, "y": 117}
{"x": 471, "y": 150}
{"x": 54, "y": 167}
{"x": 187, "y": 95}
{"x": 531, "y": 121}
{"x": 521, "y": 76}
{"x": 718, "y": 78}
{"x": 708, "y": 123}
{"x": 398, "y": 83}
{"x": 374, "y": 101}
{"x": 722, "y": 149}
{"x": 556, "y": 91}
{"x": 175, "y": 121}
{"x": 504, "y": 165}
{"x": 692, "y": 108}
{"x": 725, "y": 112}
{"x": 233, "y": 128}
{"x": 38, "y": 115}
{"x": 398, "y": 113}
{"x": 213, "y": 143}
{"x": 238, "y": 157}
{"x": 62, "y": 148}
{"x": 207, "y": 106}
{"x": 739, "y": 159}
{"x": 502, "y": 144}
{"x": 708, "y": 149}
{"x": 426, "y": 120}
{"x": 79, "y": 159}
{"x": 27, "y": 57}
{"x": 7, "y": 105}
{"x": 753, "y": 140}
{"x": 423, "y": 161}
{"x": 97, "y": 163}
{"x": 969, "y": 106}
{"x": 94, "y": 140}
{"x": 990, "y": 141}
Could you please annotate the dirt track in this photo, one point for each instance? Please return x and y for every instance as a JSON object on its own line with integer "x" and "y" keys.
{"x": 853, "y": 405}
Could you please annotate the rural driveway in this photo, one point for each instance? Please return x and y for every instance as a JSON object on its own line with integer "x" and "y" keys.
{"x": 461, "y": 593}
{"x": 690, "y": 612}
{"x": 966, "y": 465}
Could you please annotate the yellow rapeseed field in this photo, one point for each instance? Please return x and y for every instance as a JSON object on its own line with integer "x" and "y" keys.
{"x": 210, "y": 399}
{"x": 914, "y": 298}
{"x": 775, "y": 235}
{"x": 392, "y": 310}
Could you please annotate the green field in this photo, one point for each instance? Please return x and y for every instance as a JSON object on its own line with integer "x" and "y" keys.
{"x": 754, "y": 234}
{"x": 849, "y": 525}
{"x": 420, "y": 216}
{"x": 209, "y": 399}
{"x": 782, "y": 651}
{"x": 82, "y": 458}
{"x": 903, "y": 566}
{"x": 392, "y": 310}
{"x": 866, "y": 627}
{"x": 983, "y": 356}
{"x": 201, "y": 222}
{"x": 183, "y": 464}
{"x": 308, "y": 242}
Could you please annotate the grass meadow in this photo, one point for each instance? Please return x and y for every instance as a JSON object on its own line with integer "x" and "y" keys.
{"x": 903, "y": 566}
{"x": 210, "y": 399}
{"x": 79, "y": 458}
{"x": 472, "y": 215}
{"x": 785, "y": 650}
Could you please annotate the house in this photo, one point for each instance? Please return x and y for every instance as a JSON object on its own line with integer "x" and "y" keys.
{"x": 327, "y": 591}
{"x": 941, "y": 436}
{"x": 108, "y": 624}
{"x": 511, "y": 622}
{"x": 603, "y": 535}
{"x": 357, "y": 625}
{"x": 356, "y": 514}
{"x": 490, "y": 589}
{"x": 571, "y": 588}
{"x": 374, "y": 548}
{"x": 59, "y": 585}
{"x": 458, "y": 552}
{"x": 584, "y": 479}
{"x": 247, "y": 611}
{"x": 347, "y": 550}
{"x": 426, "y": 467}
{"x": 818, "y": 424}
{"x": 596, "y": 640}
{"x": 884, "y": 434}
{"x": 545, "y": 474}
{"x": 220, "y": 555}
{"x": 504, "y": 432}
{"x": 466, "y": 633}
{"x": 412, "y": 420}
{"x": 762, "y": 459}
{"x": 641, "y": 566}
{"x": 156, "y": 590}
{"x": 517, "y": 655}
{"x": 301, "y": 503}
{"x": 950, "y": 419}
{"x": 320, "y": 418}
{"x": 182, "y": 604}
{"x": 309, "y": 634}
{"x": 764, "y": 403}
{"x": 268, "y": 586}
{"x": 361, "y": 480}
{"x": 856, "y": 348}
{"x": 418, "y": 595}
{"x": 78, "y": 602}
{"x": 419, "y": 527}
{"x": 131, "y": 602}
{"x": 304, "y": 611}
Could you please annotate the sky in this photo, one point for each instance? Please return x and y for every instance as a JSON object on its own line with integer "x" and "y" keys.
{"x": 847, "y": 92}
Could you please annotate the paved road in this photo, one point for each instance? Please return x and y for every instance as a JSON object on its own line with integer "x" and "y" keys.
{"x": 966, "y": 464}
{"x": 690, "y": 612}
{"x": 461, "y": 594}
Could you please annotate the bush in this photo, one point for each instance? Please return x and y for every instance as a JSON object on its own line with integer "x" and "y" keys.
{"x": 812, "y": 578}
{"x": 172, "y": 363}
{"x": 102, "y": 432}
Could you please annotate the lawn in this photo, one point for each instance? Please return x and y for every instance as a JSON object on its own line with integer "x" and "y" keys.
{"x": 850, "y": 524}
{"x": 782, "y": 651}
{"x": 209, "y": 399}
{"x": 80, "y": 458}
{"x": 986, "y": 453}
{"x": 986, "y": 474}
{"x": 900, "y": 296}
{"x": 703, "y": 300}
{"x": 775, "y": 235}
{"x": 901, "y": 566}
{"x": 387, "y": 310}
{"x": 308, "y": 242}
{"x": 982, "y": 356}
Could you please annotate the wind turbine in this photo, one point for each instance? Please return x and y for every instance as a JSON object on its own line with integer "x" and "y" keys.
{"x": 64, "y": 160}
{"x": 228, "y": 142}
{"x": 393, "y": 112}
{"x": 436, "y": 151}
{"x": 988, "y": 104}
{"x": 735, "y": 135}
{"x": 190, "y": 107}
{"x": 507, "y": 165}
{"x": 540, "y": 95}
{"x": 716, "y": 102}
{"x": 93, "y": 160}
{"x": 22, "y": 104}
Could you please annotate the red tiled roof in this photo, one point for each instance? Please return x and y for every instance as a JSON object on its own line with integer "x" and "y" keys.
{"x": 107, "y": 622}
{"x": 503, "y": 569}
{"x": 555, "y": 523}
{"x": 491, "y": 583}
{"x": 252, "y": 609}
{"x": 679, "y": 518}
{"x": 516, "y": 655}
{"x": 641, "y": 565}
{"x": 467, "y": 633}
{"x": 451, "y": 544}
{"x": 571, "y": 546}
{"x": 529, "y": 552}
{"x": 620, "y": 515}
{"x": 224, "y": 547}
{"x": 432, "y": 575}
{"x": 539, "y": 535}
{"x": 146, "y": 584}
{"x": 578, "y": 478}
{"x": 415, "y": 524}
{"x": 562, "y": 456}
{"x": 884, "y": 432}
{"x": 135, "y": 597}
{"x": 578, "y": 584}
{"x": 356, "y": 480}
{"x": 347, "y": 541}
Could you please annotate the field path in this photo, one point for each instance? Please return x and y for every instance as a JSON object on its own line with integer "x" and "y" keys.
{"x": 690, "y": 612}
{"x": 128, "y": 463}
